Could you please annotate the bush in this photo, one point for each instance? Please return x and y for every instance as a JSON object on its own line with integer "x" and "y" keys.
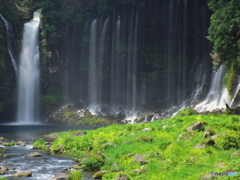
{"x": 92, "y": 164}
{"x": 228, "y": 140}
{"x": 75, "y": 175}
{"x": 40, "y": 144}
{"x": 188, "y": 112}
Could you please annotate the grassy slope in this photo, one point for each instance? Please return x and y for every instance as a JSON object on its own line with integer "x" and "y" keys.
{"x": 167, "y": 158}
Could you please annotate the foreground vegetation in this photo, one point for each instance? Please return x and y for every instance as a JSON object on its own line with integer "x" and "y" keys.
{"x": 163, "y": 149}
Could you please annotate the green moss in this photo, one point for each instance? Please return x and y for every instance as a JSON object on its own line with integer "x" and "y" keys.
{"x": 165, "y": 157}
{"x": 40, "y": 144}
{"x": 9, "y": 144}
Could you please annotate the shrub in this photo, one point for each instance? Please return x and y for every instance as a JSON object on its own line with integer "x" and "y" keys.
{"x": 228, "y": 140}
{"x": 188, "y": 112}
{"x": 92, "y": 164}
{"x": 40, "y": 144}
{"x": 75, "y": 175}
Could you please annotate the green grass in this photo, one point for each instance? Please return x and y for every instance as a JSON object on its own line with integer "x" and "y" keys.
{"x": 113, "y": 148}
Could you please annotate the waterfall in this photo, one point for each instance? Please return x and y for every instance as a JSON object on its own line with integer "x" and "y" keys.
{"x": 96, "y": 59}
{"x": 9, "y": 42}
{"x": 217, "y": 96}
{"x": 29, "y": 74}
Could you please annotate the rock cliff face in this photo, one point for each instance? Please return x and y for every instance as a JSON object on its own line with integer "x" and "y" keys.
{"x": 127, "y": 55}
{"x": 122, "y": 55}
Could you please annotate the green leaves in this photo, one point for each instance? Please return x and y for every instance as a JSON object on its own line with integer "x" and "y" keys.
{"x": 224, "y": 31}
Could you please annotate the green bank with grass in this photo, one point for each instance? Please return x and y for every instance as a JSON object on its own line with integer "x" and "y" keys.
{"x": 187, "y": 146}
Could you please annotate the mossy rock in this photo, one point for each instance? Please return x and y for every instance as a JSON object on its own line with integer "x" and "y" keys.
{"x": 99, "y": 174}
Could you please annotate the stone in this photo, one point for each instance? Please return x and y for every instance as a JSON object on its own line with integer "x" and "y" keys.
{"x": 60, "y": 176}
{"x": 237, "y": 153}
{"x": 23, "y": 174}
{"x": 207, "y": 176}
{"x": 156, "y": 117}
{"x": 122, "y": 177}
{"x": 146, "y": 129}
{"x": 199, "y": 126}
{"x": 3, "y": 168}
{"x": 143, "y": 162}
{"x": 99, "y": 174}
{"x": 220, "y": 165}
{"x": 139, "y": 158}
{"x": 21, "y": 143}
{"x": 137, "y": 171}
{"x": 214, "y": 137}
{"x": 129, "y": 155}
{"x": 79, "y": 134}
{"x": 199, "y": 146}
{"x": 207, "y": 134}
{"x": 209, "y": 142}
{"x": 181, "y": 136}
{"x": 35, "y": 154}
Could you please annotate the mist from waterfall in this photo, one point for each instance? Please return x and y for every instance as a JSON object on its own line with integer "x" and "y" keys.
{"x": 29, "y": 74}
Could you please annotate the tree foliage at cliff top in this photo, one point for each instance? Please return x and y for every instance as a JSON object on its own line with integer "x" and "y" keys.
{"x": 224, "y": 31}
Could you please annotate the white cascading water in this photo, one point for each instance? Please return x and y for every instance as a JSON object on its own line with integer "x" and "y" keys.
{"x": 10, "y": 51}
{"x": 218, "y": 95}
{"x": 29, "y": 74}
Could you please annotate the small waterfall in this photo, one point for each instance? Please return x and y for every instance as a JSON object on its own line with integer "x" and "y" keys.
{"x": 29, "y": 74}
{"x": 217, "y": 96}
{"x": 9, "y": 42}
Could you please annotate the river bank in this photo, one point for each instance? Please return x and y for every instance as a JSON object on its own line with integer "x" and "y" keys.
{"x": 187, "y": 146}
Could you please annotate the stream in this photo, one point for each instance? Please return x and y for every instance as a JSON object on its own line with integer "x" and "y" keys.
{"x": 44, "y": 167}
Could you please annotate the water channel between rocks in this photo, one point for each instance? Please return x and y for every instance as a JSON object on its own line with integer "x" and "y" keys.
{"x": 44, "y": 167}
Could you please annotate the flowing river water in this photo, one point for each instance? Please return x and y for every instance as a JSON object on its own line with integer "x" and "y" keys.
{"x": 44, "y": 167}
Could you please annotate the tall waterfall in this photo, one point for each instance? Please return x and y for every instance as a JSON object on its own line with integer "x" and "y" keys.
{"x": 29, "y": 74}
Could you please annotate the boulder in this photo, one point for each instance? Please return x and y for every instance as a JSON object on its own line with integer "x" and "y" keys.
{"x": 207, "y": 176}
{"x": 35, "y": 154}
{"x": 199, "y": 146}
{"x": 139, "y": 157}
{"x": 60, "y": 176}
{"x": 122, "y": 177}
{"x": 99, "y": 174}
{"x": 23, "y": 174}
{"x": 209, "y": 142}
{"x": 214, "y": 137}
{"x": 157, "y": 116}
{"x": 3, "y": 170}
{"x": 79, "y": 134}
{"x": 199, "y": 126}
{"x": 237, "y": 153}
{"x": 21, "y": 143}
{"x": 146, "y": 129}
{"x": 137, "y": 171}
{"x": 207, "y": 134}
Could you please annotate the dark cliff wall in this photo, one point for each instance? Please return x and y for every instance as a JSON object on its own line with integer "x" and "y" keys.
{"x": 170, "y": 40}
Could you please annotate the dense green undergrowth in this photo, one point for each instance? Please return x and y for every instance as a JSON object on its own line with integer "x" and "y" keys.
{"x": 169, "y": 150}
